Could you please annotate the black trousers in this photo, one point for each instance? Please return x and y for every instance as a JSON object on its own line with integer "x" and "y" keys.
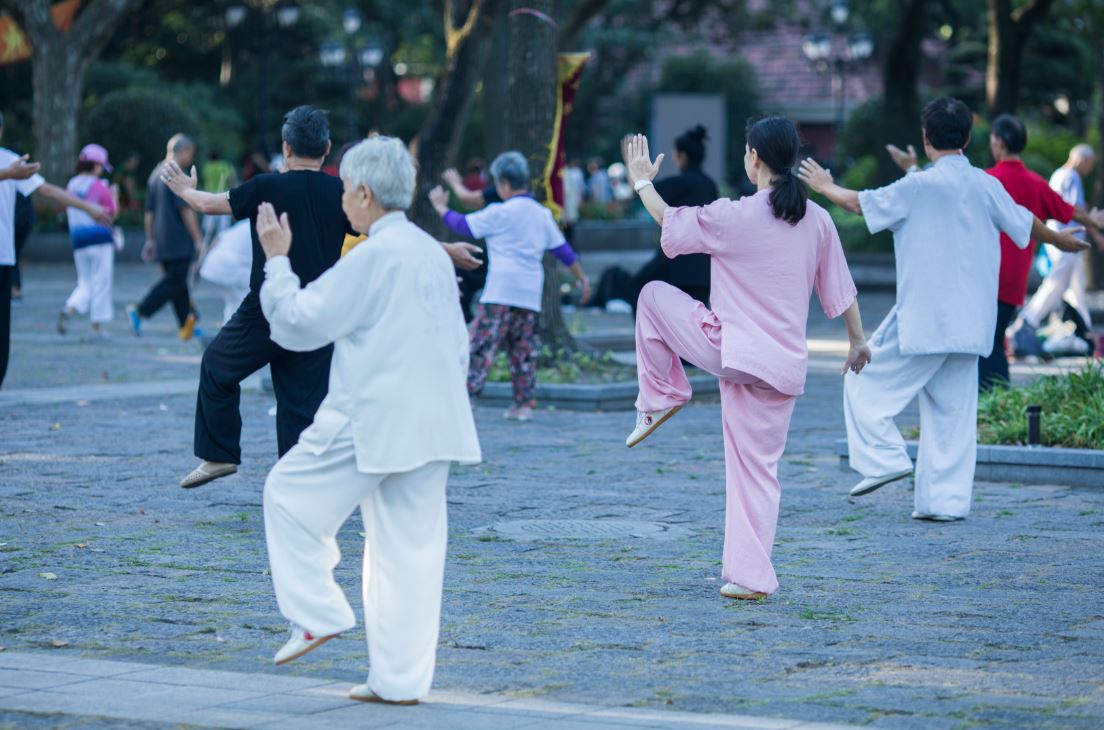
{"x": 242, "y": 347}
{"x": 5, "y": 319}
{"x": 993, "y": 370}
{"x": 173, "y": 287}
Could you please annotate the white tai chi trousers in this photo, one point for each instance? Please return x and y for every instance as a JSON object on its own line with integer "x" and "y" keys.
{"x": 946, "y": 385}
{"x": 307, "y": 498}
{"x": 95, "y": 279}
{"x": 1066, "y": 280}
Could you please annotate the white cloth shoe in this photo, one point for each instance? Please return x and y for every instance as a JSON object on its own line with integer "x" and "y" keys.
{"x": 300, "y": 643}
{"x": 647, "y": 423}
{"x": 935, "y": 518}
{"x": 732, "y": 590}
{"x": 362, "y": 693}
{"x": 870, "y": 484}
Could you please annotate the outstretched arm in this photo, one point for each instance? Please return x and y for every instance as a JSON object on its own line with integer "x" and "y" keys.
{"x": 821, "y": 180}
{"x": 638, "y": 161}
{"x": 19, "y": 169}
{"x": 187, "y": 187}
{"x": 1064, "y": 240}
{"x": 472, "y": 199}
{"x": 58, "y": 196}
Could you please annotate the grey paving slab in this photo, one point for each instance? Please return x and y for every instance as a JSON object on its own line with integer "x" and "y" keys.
{"x": 31, "y": 679}
{"x": 260, "y": 683}
{"x": 228, "y": 718}
{"x": 291, "y": 704}
{"x": 879, "y": 620}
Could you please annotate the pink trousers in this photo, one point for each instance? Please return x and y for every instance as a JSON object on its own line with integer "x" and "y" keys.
{"x": 756, "y": 418}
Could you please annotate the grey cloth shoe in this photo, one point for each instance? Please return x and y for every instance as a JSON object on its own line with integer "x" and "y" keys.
{"x": 206, "y": 472}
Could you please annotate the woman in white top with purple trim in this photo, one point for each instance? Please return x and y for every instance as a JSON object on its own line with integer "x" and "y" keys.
{"x": 518, "y": 231}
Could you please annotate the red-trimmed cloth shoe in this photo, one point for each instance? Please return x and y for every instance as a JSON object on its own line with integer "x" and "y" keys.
{"x": 300, "y": 643}
{"x": 362, "y": 693}
{"x": 647, "y": 423}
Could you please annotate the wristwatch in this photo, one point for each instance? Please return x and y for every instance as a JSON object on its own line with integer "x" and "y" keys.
{"x": 641, "y": 184}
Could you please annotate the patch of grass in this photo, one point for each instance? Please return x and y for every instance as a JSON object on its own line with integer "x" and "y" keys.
{"x": 1005, "y": 513}
{"x": 839, "y": 531}
{"x": 1072, "y": 411}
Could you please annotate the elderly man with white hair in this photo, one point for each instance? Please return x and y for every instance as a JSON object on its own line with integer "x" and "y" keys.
{"x": 396, "y": 417}
{"x": 1066, "y": 280}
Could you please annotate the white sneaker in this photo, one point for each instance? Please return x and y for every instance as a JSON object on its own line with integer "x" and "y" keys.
{"x": 300, "y": 643}
{"x": 935, "y": 518}
{"x": 519, "y": 413}
{"x": 647, "y": 423}
{"x": 870, "y": 484}
{"x": 732, "y": 590}
{"x": 362, "y": 693}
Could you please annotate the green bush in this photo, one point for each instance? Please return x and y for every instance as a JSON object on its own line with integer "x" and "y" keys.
{"x": 1072, "y": 411}
{"x": 139, "y": 120}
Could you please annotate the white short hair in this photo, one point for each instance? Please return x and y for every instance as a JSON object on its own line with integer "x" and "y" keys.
{"x": 1083, "y": 152}
{"x": 385, "y": 166}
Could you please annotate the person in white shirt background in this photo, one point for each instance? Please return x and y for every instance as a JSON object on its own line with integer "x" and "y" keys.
{"x": 227, "y": 265}
{"x": 946, "y": 223}
{"x": 396, "y": 416}
{"x": 518, "y": 231}
{"x": 17, "y": 175}
{"x": 1066, "y": 280}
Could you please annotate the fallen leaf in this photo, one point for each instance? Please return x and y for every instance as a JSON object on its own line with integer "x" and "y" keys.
{"x": 58, "y": 643}
{"x": 670, "y": 702}
{"x": 141, "y": 510}
{"x": 48, "y": 576}
{"x": 81, "y": 545}
{"x": 220, "y": 639}
{"x": 55, "y": 427}
{"x": 99, "y": 524}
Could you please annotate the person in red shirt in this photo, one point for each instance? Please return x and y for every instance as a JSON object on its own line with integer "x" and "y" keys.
{"x": 1007, "y": 139}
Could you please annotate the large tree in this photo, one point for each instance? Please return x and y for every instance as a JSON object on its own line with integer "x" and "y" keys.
{"x": 1010, "y": 27}
{"x": 901, "y": 99}
{"x": 59, "y": 63}
{"x": 467, "y": 26}
{"x": 529, "y": 116}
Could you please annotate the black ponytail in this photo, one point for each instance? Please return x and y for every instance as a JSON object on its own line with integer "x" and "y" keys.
{"x": 692, "y": 144}
{"x": 777, "y": 143}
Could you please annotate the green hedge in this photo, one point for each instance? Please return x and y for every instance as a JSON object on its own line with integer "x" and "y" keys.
{"x": 1072, "y": 411}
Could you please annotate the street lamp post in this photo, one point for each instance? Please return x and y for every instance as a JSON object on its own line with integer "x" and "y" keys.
{"x": 352, "y": 63}
{"x": 285, "y": 17}
{"x": 837, "y": 53}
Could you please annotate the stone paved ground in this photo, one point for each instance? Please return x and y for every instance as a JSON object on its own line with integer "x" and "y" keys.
{"x": 994, "y": 622}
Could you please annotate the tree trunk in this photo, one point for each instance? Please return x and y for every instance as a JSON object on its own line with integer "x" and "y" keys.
{"x": 58, "y": 77}
{"x": 437, "y": 142}
{"x": 58, "y": 67}
{"x": 1009, "y": 29}
{"x": 495, "y": 89}
{"x": 901, "y": 100}
{"x": 529, "y": 116}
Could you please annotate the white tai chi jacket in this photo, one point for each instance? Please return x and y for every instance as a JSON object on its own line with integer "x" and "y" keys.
{"x": 946, "y": 222}
{"x": 392, "y": 309}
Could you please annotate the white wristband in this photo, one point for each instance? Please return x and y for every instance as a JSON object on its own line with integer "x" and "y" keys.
{"x": 641, "y": 184}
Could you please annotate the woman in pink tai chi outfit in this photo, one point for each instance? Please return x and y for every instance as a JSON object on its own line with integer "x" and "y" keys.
{"x": 769, "y": 251}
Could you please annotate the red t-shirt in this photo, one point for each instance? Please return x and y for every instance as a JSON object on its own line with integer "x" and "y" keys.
{"x": 1034, "y": 193}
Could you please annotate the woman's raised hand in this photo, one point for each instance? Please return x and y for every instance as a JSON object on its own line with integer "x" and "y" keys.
{"x": 638, "y": 161}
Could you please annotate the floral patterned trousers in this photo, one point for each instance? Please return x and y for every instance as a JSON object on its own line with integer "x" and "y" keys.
{"x": 515, "y": 330}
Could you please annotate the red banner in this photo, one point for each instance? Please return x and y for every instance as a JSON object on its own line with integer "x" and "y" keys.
{"x": 14, "y": 45}
{"x": 569, "y": 72}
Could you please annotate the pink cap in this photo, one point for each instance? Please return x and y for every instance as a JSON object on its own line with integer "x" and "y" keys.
{"x": 95, "y": 153}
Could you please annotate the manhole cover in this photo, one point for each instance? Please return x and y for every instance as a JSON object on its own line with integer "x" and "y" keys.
{"x": 580, "y": 529}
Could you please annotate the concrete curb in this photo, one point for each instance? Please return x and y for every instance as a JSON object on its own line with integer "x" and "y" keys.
{"x": 602, "y": 397}
{"x": 1027, "y": 464}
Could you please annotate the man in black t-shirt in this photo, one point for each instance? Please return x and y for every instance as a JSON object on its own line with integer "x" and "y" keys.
{"x": 312, "y": 201}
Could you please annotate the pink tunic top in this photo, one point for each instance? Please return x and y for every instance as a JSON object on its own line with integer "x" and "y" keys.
{"x": 764, "y": 272}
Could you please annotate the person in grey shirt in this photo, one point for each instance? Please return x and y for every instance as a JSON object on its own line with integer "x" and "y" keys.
{"x": 173, "y": 239}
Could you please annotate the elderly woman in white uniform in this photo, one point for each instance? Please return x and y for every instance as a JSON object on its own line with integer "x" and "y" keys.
{"x": 396, "y": 417}
{"x": 946, "y": 222}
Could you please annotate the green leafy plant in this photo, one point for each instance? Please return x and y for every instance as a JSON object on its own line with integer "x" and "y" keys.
{"x": 1072, "y": 411}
